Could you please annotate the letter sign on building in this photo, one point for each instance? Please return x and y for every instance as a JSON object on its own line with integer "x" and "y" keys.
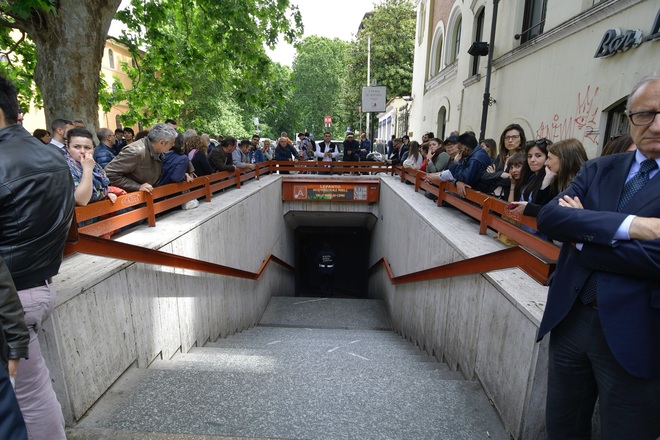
{"x": 615, "y": 41}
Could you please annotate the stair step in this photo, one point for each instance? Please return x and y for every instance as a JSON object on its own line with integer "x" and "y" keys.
{"x": 245, "y": 405}
{"x": 314, "y": 368}
{"x": 115, "y": 434}
{"x": 326, "y": 313}
{"x": 294, "y": 356}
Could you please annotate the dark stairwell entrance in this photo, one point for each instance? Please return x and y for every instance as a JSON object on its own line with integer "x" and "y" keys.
{"x": 350, "y": 246}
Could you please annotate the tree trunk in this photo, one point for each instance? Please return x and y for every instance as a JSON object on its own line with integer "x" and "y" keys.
{"x": 69, "y": 53}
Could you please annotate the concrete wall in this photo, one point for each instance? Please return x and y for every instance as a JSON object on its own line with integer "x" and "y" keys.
{"x": 484, "y": 326}
{"x": 113, "y": 314}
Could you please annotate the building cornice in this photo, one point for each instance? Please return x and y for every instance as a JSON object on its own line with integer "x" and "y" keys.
{"x": 442, "y": 77}
{"x": 591, "y": 16}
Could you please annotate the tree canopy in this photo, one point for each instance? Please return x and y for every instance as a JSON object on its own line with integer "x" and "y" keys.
{"x": 391, "y": 27}
{"x": 189, "y": 55}
{"x": 318, "y": 80}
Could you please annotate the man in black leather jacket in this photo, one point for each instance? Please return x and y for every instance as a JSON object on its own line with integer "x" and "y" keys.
{"x": 14, "y": 339}
{"x": 36, "y": 208}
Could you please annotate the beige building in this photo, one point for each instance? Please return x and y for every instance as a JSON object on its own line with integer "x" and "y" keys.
{"x": 114, "y": 54}
{"x": 395, "y": 120}
{"x": 560, "y": 68}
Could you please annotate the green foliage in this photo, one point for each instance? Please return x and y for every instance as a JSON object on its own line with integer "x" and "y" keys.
{"x": 19, "y": 58}
{"x": 392, "y": 32}
{"x": 275, "y": 113}
{"x": 23, "y": 9}
{"x": 318, "y": 79}
{"x": 204, "y": 61}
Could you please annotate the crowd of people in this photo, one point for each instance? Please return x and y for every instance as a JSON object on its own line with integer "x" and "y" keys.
{"x": 551, "y": 180}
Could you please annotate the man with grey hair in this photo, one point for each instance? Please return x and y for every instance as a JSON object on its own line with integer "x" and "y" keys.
{"x": 139, "y": 165}
{"x": 103, "y": 153}
{"x": 603, "y": 308}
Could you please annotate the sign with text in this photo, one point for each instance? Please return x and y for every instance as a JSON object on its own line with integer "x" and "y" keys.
{"x": 330, "y": 190}
{"x": 373, "y": 99}
{"x": 327, "y": 120}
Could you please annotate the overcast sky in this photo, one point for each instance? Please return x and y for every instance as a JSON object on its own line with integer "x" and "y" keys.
{"x": 332, "y": 19}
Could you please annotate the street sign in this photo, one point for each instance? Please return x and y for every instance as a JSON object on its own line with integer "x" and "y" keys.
{"x": 373, "y": 99}
{"x": 327, "y": 120}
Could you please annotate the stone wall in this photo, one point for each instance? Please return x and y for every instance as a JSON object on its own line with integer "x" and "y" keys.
{"x": 483, "y": 325}
{"x": 112, "y": 314}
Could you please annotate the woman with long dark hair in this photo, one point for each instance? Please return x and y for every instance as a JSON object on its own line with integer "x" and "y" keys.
{"x": 564, "y": 160}
{"x": 496, "y": 179}
{"x": 535, "y": 191}
{"x": 438, "y": 158}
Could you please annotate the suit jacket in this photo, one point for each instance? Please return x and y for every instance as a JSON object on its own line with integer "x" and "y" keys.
{"x": 628, "y": 291}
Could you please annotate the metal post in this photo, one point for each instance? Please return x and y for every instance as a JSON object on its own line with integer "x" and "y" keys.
{"x": 368, "y": 79}
{"x": 489, "y": 68}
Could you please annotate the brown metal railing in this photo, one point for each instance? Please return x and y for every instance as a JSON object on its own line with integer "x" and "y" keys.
{"x": 535, "y": 256}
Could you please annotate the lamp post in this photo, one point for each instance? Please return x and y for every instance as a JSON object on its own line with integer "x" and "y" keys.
{"x": 481, "y": 49}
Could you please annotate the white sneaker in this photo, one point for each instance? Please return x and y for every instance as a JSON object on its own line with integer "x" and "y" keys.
{"x": 192, "y": 204}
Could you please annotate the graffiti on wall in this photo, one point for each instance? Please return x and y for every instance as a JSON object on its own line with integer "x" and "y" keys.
{"x": 580, "y": 125}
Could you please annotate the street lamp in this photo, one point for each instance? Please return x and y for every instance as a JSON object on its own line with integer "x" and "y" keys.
{"x": 480, "y": 48}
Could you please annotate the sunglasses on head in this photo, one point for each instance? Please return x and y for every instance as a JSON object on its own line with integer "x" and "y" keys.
{"x": 539, "y": 142}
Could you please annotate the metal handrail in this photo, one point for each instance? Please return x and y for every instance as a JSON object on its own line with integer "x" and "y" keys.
{"x": 88, "y": 244}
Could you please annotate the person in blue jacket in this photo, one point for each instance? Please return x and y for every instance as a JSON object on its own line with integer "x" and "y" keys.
{"x": 467, "y": 167}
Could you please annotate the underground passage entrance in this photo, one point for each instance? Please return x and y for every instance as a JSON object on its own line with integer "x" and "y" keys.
{"x": 346, "y": 275}
{"x": 345, "y": 236}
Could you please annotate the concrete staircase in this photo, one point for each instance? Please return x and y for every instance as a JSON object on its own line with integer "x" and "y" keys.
{"x": 313, "y": 369}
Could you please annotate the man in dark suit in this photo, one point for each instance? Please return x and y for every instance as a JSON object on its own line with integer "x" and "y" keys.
{"x": 351, "y": 148}
{"x": 603, "y": 308}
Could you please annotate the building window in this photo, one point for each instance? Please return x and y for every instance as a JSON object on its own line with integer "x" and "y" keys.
{"x": 617, "y": 121}
{"x": 533, "y": 19}
{"x": 478, "y": 36}
{"x": 111, "y": 58}
{"x": 442, "y": 122}
{"x": 435, "y": 65}
{"x": 420, "y": 23}
{"x": 456, "y": 40}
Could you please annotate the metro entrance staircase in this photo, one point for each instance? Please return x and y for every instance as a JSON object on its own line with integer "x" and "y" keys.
{"x": 314, "y": 368}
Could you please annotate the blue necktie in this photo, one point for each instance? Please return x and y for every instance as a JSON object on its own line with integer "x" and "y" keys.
{"x": 588, "y": 293}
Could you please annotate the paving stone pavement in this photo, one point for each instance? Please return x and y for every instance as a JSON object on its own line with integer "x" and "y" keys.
{"x": 298, "y": 376}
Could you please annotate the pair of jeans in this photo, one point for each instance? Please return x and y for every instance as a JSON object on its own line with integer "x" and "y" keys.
{"x": 34, "y": 390}
{"x": 11, "y": 419}
{"x": 581, "y": 370}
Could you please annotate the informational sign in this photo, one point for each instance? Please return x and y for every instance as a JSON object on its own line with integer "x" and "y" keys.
{"x": 330, "y": 190}
{"x": 327, "y": 120}
{"x": 373, "y": 99}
